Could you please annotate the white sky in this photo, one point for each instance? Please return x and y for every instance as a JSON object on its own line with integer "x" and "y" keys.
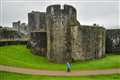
{"x": 103, "y": 12}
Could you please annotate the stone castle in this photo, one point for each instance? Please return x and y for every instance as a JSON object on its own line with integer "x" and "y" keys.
{"x": 20, "y": 27}
{"x": 58, "y": 35}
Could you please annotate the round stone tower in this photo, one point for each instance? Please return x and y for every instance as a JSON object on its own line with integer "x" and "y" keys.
{"x": 59, "y": 22}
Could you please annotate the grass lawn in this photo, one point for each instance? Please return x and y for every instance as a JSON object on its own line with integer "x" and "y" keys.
{"x": 20, "y": 56}
{"x": 15, "y": 76}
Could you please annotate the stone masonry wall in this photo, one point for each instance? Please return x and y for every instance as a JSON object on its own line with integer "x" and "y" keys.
{"x": 38, "y": 43}
{"x": 113, "y": 40}
{"x": 37, "y": 21}
{"x": 88, "y": 42}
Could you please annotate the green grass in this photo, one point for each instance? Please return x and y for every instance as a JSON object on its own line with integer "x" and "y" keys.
{"x": 20, "y": 56}
{"x": 15, "y": 76}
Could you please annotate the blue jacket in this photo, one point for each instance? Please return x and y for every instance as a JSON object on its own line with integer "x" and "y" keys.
{"x": 68, "y": 65}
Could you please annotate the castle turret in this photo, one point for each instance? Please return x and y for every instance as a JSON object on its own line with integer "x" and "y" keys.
{"x": 59, "y": 32}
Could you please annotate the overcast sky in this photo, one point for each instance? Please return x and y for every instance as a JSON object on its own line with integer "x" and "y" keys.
{"x": 103, "y": 12}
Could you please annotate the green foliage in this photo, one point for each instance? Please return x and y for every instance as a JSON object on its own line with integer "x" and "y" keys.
{"x": 15, "y": 76}
{"x": 20, "y": 56}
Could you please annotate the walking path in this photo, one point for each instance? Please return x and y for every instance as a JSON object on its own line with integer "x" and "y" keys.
{"x": 58, "y": 73}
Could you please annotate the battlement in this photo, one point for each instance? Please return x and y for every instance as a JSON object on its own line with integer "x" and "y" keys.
{"x": 68, "y": 9}
{"x": 65, "y": 14}
{"x": 57, "y": 10}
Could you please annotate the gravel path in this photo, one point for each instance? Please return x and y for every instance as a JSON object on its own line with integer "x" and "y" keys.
{"x": 58, "y": 73}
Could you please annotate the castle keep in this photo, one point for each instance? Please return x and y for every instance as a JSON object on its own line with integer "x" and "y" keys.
{"x": 58, "y": 35}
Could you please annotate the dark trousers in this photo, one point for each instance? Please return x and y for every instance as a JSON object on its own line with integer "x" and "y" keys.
{"x": 68, "y": 70}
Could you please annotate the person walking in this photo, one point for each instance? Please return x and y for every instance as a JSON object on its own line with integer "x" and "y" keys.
{"x": 68, "y": 67}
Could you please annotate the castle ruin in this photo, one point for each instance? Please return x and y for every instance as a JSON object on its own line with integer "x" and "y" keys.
{"x": 57, "y": 35}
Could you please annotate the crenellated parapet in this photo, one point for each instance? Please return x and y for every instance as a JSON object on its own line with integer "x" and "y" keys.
{"x": 67, "y": 12}
{"x": 57, "y": 10}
